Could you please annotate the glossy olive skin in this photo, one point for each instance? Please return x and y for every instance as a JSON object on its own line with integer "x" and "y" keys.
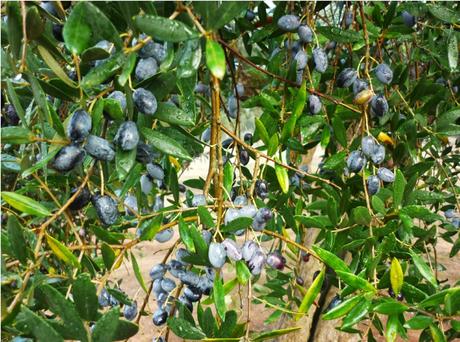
{"x": 82, "y": 199}
{"x": 106, "y": 209}
{"x": 79, "y": 126}
{"x": 68, "y": 158}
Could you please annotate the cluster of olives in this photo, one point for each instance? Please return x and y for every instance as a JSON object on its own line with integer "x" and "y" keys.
{"x": 370, "y": 149}
{"x": 105, "y": 299}
{"x": 453, "y": 217}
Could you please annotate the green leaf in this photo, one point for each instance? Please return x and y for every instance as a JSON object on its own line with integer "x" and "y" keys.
{"x": 378, "y": 205}
{"x": 16, "y": 135}
{"x": 418, "y": 322}
{"x": 361, "y": 216}
{"x": 205, "y": 217}
{"x": 219, "y": 297}
{"x": 165, "y": 144}
{"x": 299, "y": 104}
{"x": 437, "y": 334}
{"x": 34, "y": 23}
{"x": 65, "y": 309}
{"x": 273, "y": 145}
{"x": 262, "y": 131}
{"x": 357, "y": 313}
{"x": 151, "y": 227}
{"x": 34, "y": 324}
{"x": 398, "y": 189}
{"x": 94, "y": 53}
{"x": 343, "y": 308}
{"x": 200, "y": 245}
{"x": 40, "y": 98}
{"x": 242, "y": 272}
{"x": 125, "y": 330}
{"x": 227, "y": 11}
{"x": 24, "y": 204}
{"x": 108, "y": 255}
{"x": 189, "y": 59}
{"x": 355, "y": 281}
{"x": 444, "y": 13}
{"x": 423, "y": 268}
{"x": 437, "y": 298}
{"x": 390, "y": 307}
{"x": 396, "y": 276}
{"x": 100, "y": 73}
{"x": 228, "y": 178}
{"x": 167, "y": 112}
{"x": 335, "y": 161}
{"x": 14, "y": 28}
{"x": 452, "y": 51}
{"x": 446, "y": 122}
{"x": 62, "y": 252}
{"x": 124, "y": 162}
{"x": 237, "y": 224}
{"x": 54, "y": 65}
{"x": 184, "y": 329}
{"x": 15, "y": 100}
{"x": 282, "y": 176}
{"x": 87, "y": 25}
{"x": 331, "y": 259}
{"x": 215, "y": 58}
{"x": 127, "y": 69}
{"x": 137, "y": 273}
{"x": 17, "y": 239}
{"x": 106, "y": 326}
{"x": 311, "y": 294}
{"x": 164, "y": 29}
{"x": 85, "y": 298}
{"x": 391, "y": 331}
{"x": 314, "y": 221}
{"x": 185, "y": 237}
{"x": 340, "y": 132}
{"x": 339, "y": 35}
{"x": 113, "y": 108}
{"x": 274, "y": 333}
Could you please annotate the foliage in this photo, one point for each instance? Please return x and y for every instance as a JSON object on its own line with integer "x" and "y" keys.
{"x": 73, "y": 211}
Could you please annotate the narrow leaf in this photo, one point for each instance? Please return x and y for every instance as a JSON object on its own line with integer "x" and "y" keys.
{"x": 396, "y": 276}
{"x": 311, "y": 294}
{"x": 215, "y": 58}
{"x": 24, "y": 204}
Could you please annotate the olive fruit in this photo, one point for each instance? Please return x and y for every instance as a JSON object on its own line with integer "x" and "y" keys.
{"x": 239, "y": 90}
{"x": 164, "y": 235}
{"x": 373, "y": 185}
{"x": 168, "y": 284}
{"x": 299, "y": 281}
{"x": 99, "y": 148}
{"x": 205, "y": 285}
{"x": 288, "y": 23}
{"x": 158, "y": 271}
{"x": 127, "y": 136}
{"x": 192, "y": 293}
{"x": 368, "y": 145}
{"x": 155, "y": 171}
{"x": 79, "y": 126}
{"x": 130, "y": 204}
{"x": 301, "y": 59}
{"x": 363, "y": 97}
{"x": 348, "y": 18}
{"x": 145, "y": 154}
{"x": 244, "y": 156}
{"x": 217, "y": 254}
{"x": 359, "y": 85}
{"x": 240, "y": 200}
{"x": 314, "y": 104}
{"x": 202, "y": 88}
{"x": 106, "y": 209}
{"x": 276, "y": 260}
{"x": 346, "y": 77}
{"x": 320, "y": 60}
{"x": 184, "y": 301}
{"x": 383, "y": 73}
{"x": 232, "y": 249}
{"x": 257, "y": 263}
{"x": 145, "y": 101}
{"x": 104, "y": 298}
{"x": 379, "y": 105}
{"x": 146, "y": 184}
{"x": 176, "y": 268}
{"x": 227, "y": 143}
{"x": 250, "y": 15}
{"x": 249, "y": 249}
{"x": 247, "y": 211}
{"x": 207, "y": 236}
{"x": 120, "y": 97}
{"x": 408, "y": 19}
{"x": 378, "y": 155}
{"x": 130, "y": 311}
{"x": 385, "y": 175}
{"x": 206, "y": 135}
{"x": 159, "y": 317}
{"x": 146, "y": 68}
{"x": 305, "y": 34}
{"x": 449, "y": 213}
{"x": 232, "y": 106}
{"x": 67, "y": 158}
{"x": 230, "y": 215}
{"x": 261, "y": 188}
{"x": 189, "y": 278}
{"x": 11, "y": 115}
{"x": 198, "y": 200}
{"x": 356, "y": 161}
{"x": 334, "y": 302}
{"x": 81, "y": 200}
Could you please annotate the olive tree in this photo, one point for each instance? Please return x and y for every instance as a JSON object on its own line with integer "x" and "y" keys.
{"x": 105, "y": 105}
